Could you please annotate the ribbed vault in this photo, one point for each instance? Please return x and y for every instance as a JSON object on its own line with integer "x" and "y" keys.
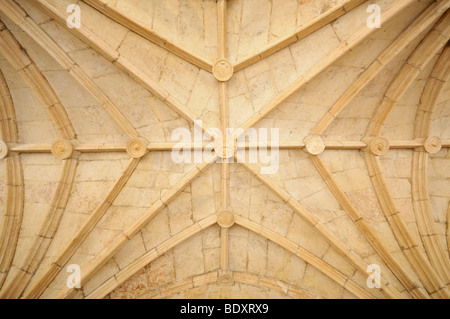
{"x": 86, "y": 120}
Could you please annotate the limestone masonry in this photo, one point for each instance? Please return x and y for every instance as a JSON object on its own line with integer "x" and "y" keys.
{"x": 333, "y": 181}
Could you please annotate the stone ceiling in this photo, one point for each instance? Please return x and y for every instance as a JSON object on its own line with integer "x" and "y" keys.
{"x": 88, "y": 179}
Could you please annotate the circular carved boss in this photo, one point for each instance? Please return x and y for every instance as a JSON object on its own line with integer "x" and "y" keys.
{"x": 223, "y": 70}
{"x": 136, "y": 148}
{"x": 229, "y": 149}
{"x": 314, "y": 145}
{"x": 379, "y": 146}
{"x": 62, "y": 149}
{"x": 433, "y": 145}
{"x": 225, "y": 219}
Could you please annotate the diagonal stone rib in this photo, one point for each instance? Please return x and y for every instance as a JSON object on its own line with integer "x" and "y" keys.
{"x": 346, "y": 46}
{"x": 13, "y": 11}
{"x": 109, "y": 251}
{"x": 423, "y": 22}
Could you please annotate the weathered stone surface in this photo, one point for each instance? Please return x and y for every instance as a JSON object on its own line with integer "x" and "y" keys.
{"x": 161, "y": 272}
{"x": 96, "y": 92}
{"x": 133, "y": 288}
{"x": 188, "y": 258}
{"x": 313, "y": 280}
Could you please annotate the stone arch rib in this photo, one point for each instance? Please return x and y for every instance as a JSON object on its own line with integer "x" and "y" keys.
{"x": 150, "y": 256}
{"x": 367, "y": 231}
{"x": 13, "y": 11}
{"x": 327, "y": 17}
{"x": 323, "y": 230}
{"x": 31, "y": 74}
{"x": 431, "y": 281}
{"x": 433, "y": 272}
{"x": 13, "y": 211}
{"x": 148, "y": 33}
{"x": 292, "y": 247}
{"x": 21, "y": 276}
{"x": 346, "y": 46}
{"x": 306, "y": 255}
{"x": 113, "y": 56}
{"x": 421, "y": 201}
{"x": 420, "y": 57}
{"x": 108, "y": 252}
{"x": 38, "y": 287}
{"x": 425, "y": 20}
{"x": 448, "y": 230}
{"x": 238, "y": 277}
{"x": 8, "y": 128}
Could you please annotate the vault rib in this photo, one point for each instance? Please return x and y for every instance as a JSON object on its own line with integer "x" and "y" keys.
{"x": 426, "y": 19}
{"x": 13, "y": 11}
{"x": 307, "y": 256}
{"x": 104, "y": 148}
{"x": 328, "y": 235}
{"x": 113, "y": 56}
{"x": 168, "y": 147}
{"x": 431, "y": 281}
{"x": 272, "y": 283}
{"x": 424, "y": 217}
{"x": 421, "y": 56}
{"x": 18, "y": 278}
{"x": 44, "y": 280}
{"x": 112, "y": 248}
{"x": 31, "y": 74}
{"x": 8, "y": 124}
{"x": 150, "y": 256}
{"x": 433, "y": 272}
{"x": 21, "y": 277}
{"x": 12, "y": 215}
{"x": 346, "y": 46}
{"x": 148, "y": 33}
{"x": 224, "y": 120}
{"x": 238, "y": 277}
{"x": 13, "y": 210}
{"x": 448, "y": 230}
{"x": 332, "y": 144}
{"x": 223, "y": 100}
{"x": 419, "y": 187}
{"x": 367, "y": 231}
{"x": 301, "y": 33}
{"x": 439, "y": 75}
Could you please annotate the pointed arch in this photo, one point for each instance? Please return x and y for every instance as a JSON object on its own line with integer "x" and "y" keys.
{"x": 419, "y": 187}
{"x": 13, "y": 210}
{"x": 13, "y": 11}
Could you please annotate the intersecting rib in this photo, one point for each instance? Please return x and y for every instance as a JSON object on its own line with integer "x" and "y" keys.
{"x": 113, "y": 247}
{"x": 13, "y": 210}
{"x": 328, "y": 270}
{"x": 38, "y": 287}
{"x": 304, "y": 31}
{"x": 433, "y": 42}
{"x": 150, "y": 256}
{"x": 322, "y": 229}
{"x": 404, "y": 278}
{"x": 148, "y": 33}
{"x": 360, "y": 35}
{"x": 21, "y": 277}
{"x": 13, "y": 11}
{"x": 420, "y": 196}
{"x": 423, "y": 22}
{"x": 31, "y": 74}
{"x": 113, "y": 56}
